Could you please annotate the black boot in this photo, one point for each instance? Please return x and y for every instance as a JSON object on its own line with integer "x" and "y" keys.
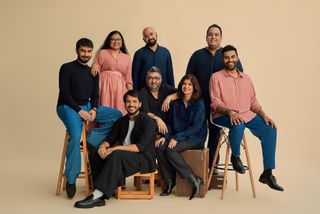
{"x": 195, "y": 182}
{"x": 169, "y": 186}
{"x": 237, "y": 164}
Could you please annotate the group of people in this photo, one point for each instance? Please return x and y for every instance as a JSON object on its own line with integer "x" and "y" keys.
{"x": 142, "y": 117}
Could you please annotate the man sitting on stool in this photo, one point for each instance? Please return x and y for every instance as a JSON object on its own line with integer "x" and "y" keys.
{"x": 234, "y": 105}
{"x": 134, "y": 134}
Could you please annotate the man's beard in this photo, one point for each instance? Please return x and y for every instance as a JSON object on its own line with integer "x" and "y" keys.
{"x": 151, "y": 42}
{"x": 85, "y": 60}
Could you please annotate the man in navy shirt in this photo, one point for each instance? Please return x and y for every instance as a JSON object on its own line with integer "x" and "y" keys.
{"x": 203, "y": 63}
{"x": 151, "y": 55}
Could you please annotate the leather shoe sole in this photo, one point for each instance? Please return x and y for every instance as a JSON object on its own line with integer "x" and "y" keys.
{"x": 89, "y": 202}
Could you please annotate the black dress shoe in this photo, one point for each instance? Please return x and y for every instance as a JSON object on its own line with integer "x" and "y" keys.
{"x": 271, "y": 181}
{"x": 195, "y": 182}
{"x": 169, "y": 187}
{"x": 71, "y": 190}
{"x": 89, "y": 202}
{"x": 237, "y": 164}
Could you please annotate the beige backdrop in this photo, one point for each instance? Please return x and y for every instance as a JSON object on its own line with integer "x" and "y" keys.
{"x": 278, "y": 43}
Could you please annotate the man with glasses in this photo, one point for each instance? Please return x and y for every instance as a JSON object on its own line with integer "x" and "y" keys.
{"x": 153, "y": 95}
{"x": 152, "y": 54}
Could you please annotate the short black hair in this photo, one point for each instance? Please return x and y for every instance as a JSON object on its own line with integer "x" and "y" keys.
{"x": 85, "y": 42}
{"x": 131, "y": 93}
{"x": 216, "y": 26}
{"x": 229, "y": 48}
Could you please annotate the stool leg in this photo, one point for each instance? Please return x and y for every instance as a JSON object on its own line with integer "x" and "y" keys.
{"x": 249, "y": 166}
{"x": 213, "y": 165}
{"x": 63, "y": 159}
{"x": 237, "y": 181}
{"x": 151, "y": 185}
{"x": 225, "y": 170}
{"x": 85, "y": 158}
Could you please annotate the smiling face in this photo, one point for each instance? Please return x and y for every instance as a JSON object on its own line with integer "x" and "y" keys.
{"x": 230, "y": 59}
{"x": 187, "y": 88}
{"x": 153, "y": 80}
{"x": 84, "y": 54}
{"x": 149, "y": 36}
{"x": 132, "y": 105}
{"x": 115, "y": 42}
{"x": 214, "y": 38}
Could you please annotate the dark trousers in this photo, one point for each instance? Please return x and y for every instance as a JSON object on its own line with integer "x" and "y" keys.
{"x": 214, "y": 133}
{"x": 170, "y": 160}
{"x": 109, "y": 173}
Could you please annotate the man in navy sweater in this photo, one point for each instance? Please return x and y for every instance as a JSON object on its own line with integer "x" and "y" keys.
{"x": 78, "y": 101}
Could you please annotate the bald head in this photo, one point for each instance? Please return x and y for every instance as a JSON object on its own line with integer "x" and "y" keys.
{"x": 149, "y": 36}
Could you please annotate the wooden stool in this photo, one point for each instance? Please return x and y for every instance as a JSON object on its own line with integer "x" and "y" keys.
{"x": 224, "y": 138}
{"x": 138, "y": 180}
{"x": 122, "y": 194}
{"x": 86, "y": 174}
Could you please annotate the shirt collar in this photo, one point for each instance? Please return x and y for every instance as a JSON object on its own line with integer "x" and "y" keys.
{"x": 228, "y": 75}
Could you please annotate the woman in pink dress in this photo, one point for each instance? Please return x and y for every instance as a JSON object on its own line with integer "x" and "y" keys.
{"x": 113, "y": 64}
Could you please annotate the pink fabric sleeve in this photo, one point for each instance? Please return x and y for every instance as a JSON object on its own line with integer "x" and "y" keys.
{"x": 97, "y": 62}
{"x": 128, "y": 76}
{"x": 254, "y": 104}
{"x": 215, "y": 93}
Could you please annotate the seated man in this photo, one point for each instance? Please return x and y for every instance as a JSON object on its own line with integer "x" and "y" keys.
{"x": 152, "y": 97}
{"x": 128, "y": 149}
{"x": 234, "y": 105}
{"x": 78, "y": 102}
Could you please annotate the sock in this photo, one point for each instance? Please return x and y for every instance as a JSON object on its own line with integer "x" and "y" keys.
{"x": 267, "y": 172}
{"x": 97, "y": 194}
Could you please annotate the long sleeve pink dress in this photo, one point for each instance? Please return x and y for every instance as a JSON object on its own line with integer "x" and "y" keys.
{"x": 114, "y": 75}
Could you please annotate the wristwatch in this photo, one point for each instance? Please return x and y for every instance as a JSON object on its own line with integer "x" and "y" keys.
{"x": 155, "y": 117}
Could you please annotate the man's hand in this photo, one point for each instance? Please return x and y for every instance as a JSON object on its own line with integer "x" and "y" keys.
{"x": 159, "y": 141}
{"x": 95, "y": 70}
{"x": 172, "y": 143}
{"x": 162, "y": 126}
{"x": 269, "y": 121}
{"x": 93, "y": 115}
{"x": 235, "y": 118}
{"x": 84, "y": 115}
{"x": 102, "y": 151}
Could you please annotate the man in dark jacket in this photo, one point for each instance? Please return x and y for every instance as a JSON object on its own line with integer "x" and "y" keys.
{"x": 128, "y": 149}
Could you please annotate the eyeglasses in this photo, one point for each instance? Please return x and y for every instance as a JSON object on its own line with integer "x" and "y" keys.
{"x": 153, "y": 78}
{"x": 115, "y": 40}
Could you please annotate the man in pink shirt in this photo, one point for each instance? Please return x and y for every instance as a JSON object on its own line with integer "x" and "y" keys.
{"x": 235, "y": 106}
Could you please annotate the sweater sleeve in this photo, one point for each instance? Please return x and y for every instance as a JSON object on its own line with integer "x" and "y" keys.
{"x": 170, "y": 79}
{"x": 64, "y": 82}
{"x": 136, "y": 69}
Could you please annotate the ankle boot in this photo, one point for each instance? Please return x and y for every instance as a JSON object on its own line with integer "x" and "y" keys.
{"x": 195, "y": 182}
{"x": 169, "y": 186}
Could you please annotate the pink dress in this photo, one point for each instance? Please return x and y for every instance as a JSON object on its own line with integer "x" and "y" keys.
{"x": 114, "y": 75}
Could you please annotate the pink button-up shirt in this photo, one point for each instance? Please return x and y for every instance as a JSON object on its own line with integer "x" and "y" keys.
{"x": 236, "y": 94}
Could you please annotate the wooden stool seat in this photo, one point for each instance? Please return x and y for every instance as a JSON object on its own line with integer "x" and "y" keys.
{"x": 224, "y": 139}
{"x": 86, "y": 174}
{"x": 122, "y": 194}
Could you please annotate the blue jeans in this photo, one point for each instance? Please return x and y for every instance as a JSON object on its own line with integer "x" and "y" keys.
{"x": 258, "y": 127}
{"x": 73, "y": 122}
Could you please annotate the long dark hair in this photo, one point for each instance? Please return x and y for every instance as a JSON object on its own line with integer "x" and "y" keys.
{"x": 196, "y": 94}
{"x": 106, "y": 44}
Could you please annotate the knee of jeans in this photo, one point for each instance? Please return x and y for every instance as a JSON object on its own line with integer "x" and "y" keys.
{"x": 238, "y": 128}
